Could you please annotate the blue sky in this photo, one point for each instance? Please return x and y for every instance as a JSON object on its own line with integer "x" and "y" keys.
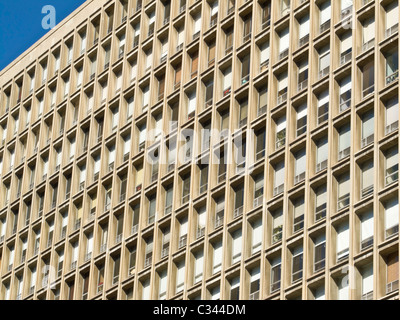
{"x": 21, "y": 24}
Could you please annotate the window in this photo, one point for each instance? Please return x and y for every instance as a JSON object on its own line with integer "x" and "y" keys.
{"x": 217, "y": 257}
{"x": 368, "y": 33}
{"x": 391, "y": 165}
{"x": 367, "y": 178}
{"x": 304, "y": 30}
{"x": 324, "y": 61}
{"x": 392, "y": 18}
{"x": 344, "y": 141}
{"x": 298, "y": 214}
{"x": 197, "y": 26}
{"x": 236, "y": 246}
{"x": 346, "y": 47}
{"x": 247, "y": 28}
{"x": 391, "y": 115}
{"x": 297, "y": 264}
{"x": 342, "y": 241}
{"x": 227, "y": 73}
{"x": 300, "y": 166}
{"x": 323, "y": 107}
{"x": 343, "y": 288}
{"x": 194, "y": 65}
{"x": 392, "y": 65}
{"x": 264, "y": 56}
{"x": 302, "y": 75}
{"x": 282, "y": 87}
{"x": 277, "y": 225}
{"x": 198, "y": 266}
{"x": 162, "y": 292}
{"x": 368, "y": 79}
{"x": 280, "y": 132}
{"x": 343, "y": 191}
{"x": 275, "y": 274}
{"x": 301, "y": 119}
{"x": 391, "y": 217}
{"x": 229, "y": 41}
{"x": 325, "y": 16}
{"x": 322, "y": 154}
{"x": 283, "y": 43}
{"x": 319, "y": 253}
{"x": 320, "y": 203}
{"x": 367, "y": 229}
{"x": 367, "y": 282}
{"x": 180, "y": 276}
{"x": 235, "y": 289}
{"x": 392, "y": 272}
{"x": 256, "y": 235}
{"x": 367, "y": 129}
{"x": 245, "y": 69}
{"x": 345, "y": 94}
{"x": 279, "y": 178}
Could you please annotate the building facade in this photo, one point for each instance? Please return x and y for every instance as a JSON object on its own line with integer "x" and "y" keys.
{"x": 204, "y": 150}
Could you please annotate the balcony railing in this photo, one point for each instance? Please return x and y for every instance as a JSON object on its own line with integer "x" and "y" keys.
{"x": 258, "y": 201}
{"x": 344, "y": 58}
{"x": 296, "y": 276}
{"x": 343, "y": 201}
{"x": 219, "y": 219}
{"x": 278, "y": 190}
{"x": 103, "y": 248}
{"x": 264, "y": 66}
{"x": 118, "y": 238}
{"x": 304, "y": 40}
{"x": 275, "y": 286}
{"x": 390, "y": 232}
{"x": 393, "y": 77}
{"x": 238, "y": 212}
{"x": 164, "y": 251}
{"x": 368, "y": 45}
{"x": 323, "y": 72}
{"x": 321, "y": 166}
{"x": 367, "y": 191}
{"x": 298, "y": 223}
{"x": 283, "y": 54}
{"x": 320, "y": 212}
{"x": 344, "y": 153}
{"x": 392, "y": 286}
{"x": 282, "y": 98}
{"x": 134, "y": 229}
{"x": 182, "y": 241}
{"x": 342, "y": 255}
{"x": 246, "y": 37}
{"x": 366, "y": 243}
{"x": 391, "y": 177}
{"x": 391, "y": 127}
{"x": 200, "y": 232}
{"x": 300, "y": 177}
{"x": 368, "y": 296}
{"x": 325, "y": 26}
{"x": 392, "y": 30}
{"x": 367, "y": 141}
{"x": 319, "y": 265}
{"x": 368, "y": 91}
{"x": 196, "y": 35}
{"x": 254, "y": 295}
{"x": 302, "y": 85}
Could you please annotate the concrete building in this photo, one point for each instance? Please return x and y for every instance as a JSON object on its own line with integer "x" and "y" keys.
{"x": 304, "y": 206}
